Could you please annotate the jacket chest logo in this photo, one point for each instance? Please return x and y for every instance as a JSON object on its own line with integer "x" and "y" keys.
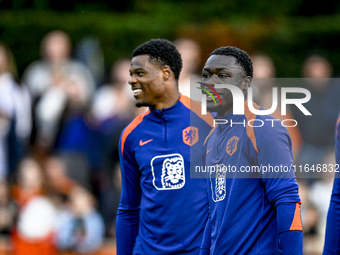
{"x": 218, "y": 183}
{"x": 232, "y": 145}
{"x": 168, "y": 171}
{"x": 190, "y": 135}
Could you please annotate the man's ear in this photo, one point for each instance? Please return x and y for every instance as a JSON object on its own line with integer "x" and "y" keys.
{"x": 166, "y": 71}
{"x": 246, "y": 83}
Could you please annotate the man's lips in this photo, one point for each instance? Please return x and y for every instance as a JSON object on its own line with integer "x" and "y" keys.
{"x": 211, "y": 89}
{"x": 209, "y": 98}
{"x": 136, "y": 91}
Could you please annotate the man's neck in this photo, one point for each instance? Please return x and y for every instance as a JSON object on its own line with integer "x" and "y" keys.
{"x": 224, "y": 112}
{"x": 169, "y": 99}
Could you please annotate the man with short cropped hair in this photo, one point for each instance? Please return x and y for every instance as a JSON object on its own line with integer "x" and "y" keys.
{"x": 162, "y": 210}
{"x": 251, "y": 212}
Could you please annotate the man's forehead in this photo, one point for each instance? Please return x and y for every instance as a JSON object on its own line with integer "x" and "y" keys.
{"x": 140, "y": 61}
{"x": 221, "y": 62}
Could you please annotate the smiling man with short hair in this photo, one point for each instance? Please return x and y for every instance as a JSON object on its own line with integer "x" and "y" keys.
{"x": 162, "y": 210}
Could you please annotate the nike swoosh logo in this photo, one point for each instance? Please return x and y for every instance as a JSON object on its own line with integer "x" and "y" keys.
{"x": 209, "y": 150}
{"x": 141, "y": 143}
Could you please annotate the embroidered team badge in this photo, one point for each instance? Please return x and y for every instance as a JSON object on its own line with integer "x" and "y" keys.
{"x": 218, "y": 184}
{"x": 190, "y": 135}
{"x": 168, "y": 171}
{"x": 232, "y": 145}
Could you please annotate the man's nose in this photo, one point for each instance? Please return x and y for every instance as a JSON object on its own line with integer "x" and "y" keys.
{"x": 132, "y": 80}
{"x": 212, "y": 80}
{"x": 207, "y": 85}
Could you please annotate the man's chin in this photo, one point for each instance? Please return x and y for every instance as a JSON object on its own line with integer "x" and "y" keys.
{"x": 212, "y": 107}
{"x": 141, "y": 104}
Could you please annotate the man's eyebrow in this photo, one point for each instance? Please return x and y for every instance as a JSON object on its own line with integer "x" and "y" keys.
{"x": 137, "y": 69}
{"x": 222, "y": 68}
{"x": 217, "y": 69}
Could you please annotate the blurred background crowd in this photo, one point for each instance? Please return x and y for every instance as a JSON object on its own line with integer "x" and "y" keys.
{"x": 64, "y": 100}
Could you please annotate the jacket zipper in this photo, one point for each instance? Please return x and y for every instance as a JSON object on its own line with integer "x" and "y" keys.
{"x": 165, "y": 128}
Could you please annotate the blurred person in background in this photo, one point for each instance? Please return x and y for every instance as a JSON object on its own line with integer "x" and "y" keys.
{"x": 89, "y": 51}
{"x": 77, "y": 141}
{"x": 47, "y": 80}
{"x": 15, "y": 115}
{"x": 56, "y": 60}
{"x": 319, "y": 193}
{"x": 34, "y": 231}
{"x": 190, "y": 52}
{"x": 262, "y": 84}
{"x": 113, "y": 109}
{"x": 317, "y": 131}
{"x": 57, "y": 176}
{"x": 264, "y": 77}
{"x": 108, "y": 198}
{"x": 8, "y": 209}
{"x": 311, "y": 220}
{"x": 30, "y": 181}
{"x": 114, "y": 99}
{"x": 80, "y": 227}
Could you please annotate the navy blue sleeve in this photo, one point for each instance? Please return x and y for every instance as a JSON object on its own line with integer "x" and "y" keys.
{"x": 275, "y": 158}
{"x": 289, "y": 227}
{"x": 275, "y": 151}
{"x": 127, "y": 221}
{"x": 291, "y": 242}
{"x": 332, "y": 239}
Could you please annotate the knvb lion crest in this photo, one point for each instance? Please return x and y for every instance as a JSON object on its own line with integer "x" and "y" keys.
{"x": 168, "y": 171}
{"x": 173, "y": 173}
{"x": 190, "y": 135}
{"x": 218, "y": 184}
{"x": 232, "y": 145}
